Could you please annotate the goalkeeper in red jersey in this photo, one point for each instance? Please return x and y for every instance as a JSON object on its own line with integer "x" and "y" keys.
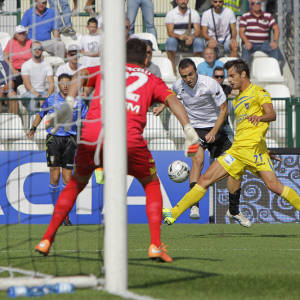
{"x": 145, "y": 89}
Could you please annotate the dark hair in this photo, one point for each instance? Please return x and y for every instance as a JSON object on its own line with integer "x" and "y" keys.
{"x": 239, "y": 65}
{"x": 184, "y": 63}
{"x": 148, "y": 43}
{"x": 218, "y": 69}
{"x": 64, "y": 75}
{"x": 92, "y": 20}
{"x": 136, "y": 51}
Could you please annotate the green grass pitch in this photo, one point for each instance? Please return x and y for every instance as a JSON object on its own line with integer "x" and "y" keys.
{"x": 210, "y": 261}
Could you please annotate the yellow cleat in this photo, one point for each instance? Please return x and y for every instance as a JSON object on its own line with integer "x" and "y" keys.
{"x": 167, "y": 216}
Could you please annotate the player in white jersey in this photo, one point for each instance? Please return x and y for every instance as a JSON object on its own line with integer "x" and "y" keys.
{"x": 205, "y": 102}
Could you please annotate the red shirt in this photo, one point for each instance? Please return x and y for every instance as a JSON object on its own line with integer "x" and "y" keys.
{"x": 257, "y": 29}
{"x": 18, "y": 54}
{"x": 142, "y": 90}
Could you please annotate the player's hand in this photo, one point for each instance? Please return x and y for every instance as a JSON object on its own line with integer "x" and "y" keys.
{"x": 191, "y": 143}
{"x": 210, "y": 137}
{"x": 158, "y": 109}
{"x": 272, "y": 155}
{"x": 30, "y": 134}
{"x": 254, "y": 119}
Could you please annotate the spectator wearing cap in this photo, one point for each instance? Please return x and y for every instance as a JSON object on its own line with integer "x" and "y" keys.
{"x": 36, "y": 74}
{"x": 41, "y": 23}
{"x": 150, "y": 66}
{"x": 90, "y": 44}
{"x": 72, "y": 65}
{"x": 16, "y": 53}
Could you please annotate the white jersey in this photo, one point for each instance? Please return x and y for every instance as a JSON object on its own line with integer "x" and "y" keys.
{"x": 202, "y": 102}
{"x": 223, "y": 21}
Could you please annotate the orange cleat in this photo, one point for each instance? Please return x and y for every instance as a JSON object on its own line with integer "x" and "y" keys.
{"x": 43, "y": 247}
{"x": 159, "y": 253}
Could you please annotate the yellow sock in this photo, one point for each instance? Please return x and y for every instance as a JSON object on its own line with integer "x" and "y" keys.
{"x": 190, "y": 198}
{"x": 291, "y": 196}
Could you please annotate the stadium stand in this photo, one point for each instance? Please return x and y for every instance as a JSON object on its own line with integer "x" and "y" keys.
{"x": 154, "y": 128}
{"x": 4, "y": 38}
{"x": 11, "y": 127}
{"x": 161, "y": 144}
{"x": 196, "y": 59}
{"x": 165, "y": 68}
{"x": 23, "y": 145}
{"x": 150, "y": 37}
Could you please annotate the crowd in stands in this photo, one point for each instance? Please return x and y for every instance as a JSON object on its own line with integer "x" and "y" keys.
{"x": 211, "y": 35}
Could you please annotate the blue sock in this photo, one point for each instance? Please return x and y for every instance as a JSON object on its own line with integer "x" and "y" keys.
{"x": 54, "y": 192}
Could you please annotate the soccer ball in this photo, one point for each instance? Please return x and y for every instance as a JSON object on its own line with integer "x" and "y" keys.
{"x": 178, "y": 171}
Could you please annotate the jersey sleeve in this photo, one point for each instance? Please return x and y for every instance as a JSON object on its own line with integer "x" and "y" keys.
{"x": 44, "y": 107}
{"x": 161, "y": 91}
{"x": 217, "y": 92}
{"x": 93, "y": 74}
{"x": 263, "y": 97}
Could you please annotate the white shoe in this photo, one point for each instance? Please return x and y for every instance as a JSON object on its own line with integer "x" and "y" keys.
{"x": 194, "y": 214}
{"x": 240, "y": 218}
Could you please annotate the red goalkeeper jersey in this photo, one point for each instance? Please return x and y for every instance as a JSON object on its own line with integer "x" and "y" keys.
{"x": 142, "y": 90}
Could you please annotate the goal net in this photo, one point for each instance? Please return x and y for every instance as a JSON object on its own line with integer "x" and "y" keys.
{"x": 27, "y": 202}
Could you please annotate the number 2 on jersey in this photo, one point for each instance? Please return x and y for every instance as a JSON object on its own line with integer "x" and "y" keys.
{"x": 132, "y": 87}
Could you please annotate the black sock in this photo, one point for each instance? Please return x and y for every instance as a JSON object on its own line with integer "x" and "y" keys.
{"x": 192, "y": 184}
{"x": 234, "y": 202}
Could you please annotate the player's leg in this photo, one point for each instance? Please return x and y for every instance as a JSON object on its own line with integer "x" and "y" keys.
{"x": 54, "y": 189}
{"x": 66, "y": 177}
{"x": 197, "y": 166}
{"x": 274, "y": 184}
{"x": 214, "y": 173}
{"x": 142, "y": 166}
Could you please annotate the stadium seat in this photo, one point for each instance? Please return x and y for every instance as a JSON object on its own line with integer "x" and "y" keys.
{"x": 54, "y": 61}
{"x": 271, "y": 143}
{"x": 154, "y": 128}
{"x": 266, "y": 70}
{"x": 197, "y": 60}
{"x": 166, "y": 69}
{"x": 69, "y": 41}
{"x": 23, "y": 145}
{"x": 259, "y": 54}
{"x": 225, "y": 59}
{"x": 147, "y": 36}
{"x": 4, "y": 38}
{"x": 11, "y": 127}
{"x": 278, "y": 90}
{"x": 161, "y": 144}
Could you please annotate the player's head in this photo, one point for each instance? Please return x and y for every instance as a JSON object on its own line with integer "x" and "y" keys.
{"x": 238, "y": 73}
{"x": 148, "y": 52}
{"x": 136, "y": 52}
{"x": 64, "y": 81}
{"x": 188, "y": 72}
{"x": 92, "y": 26}
{"x": 219, "y": 74}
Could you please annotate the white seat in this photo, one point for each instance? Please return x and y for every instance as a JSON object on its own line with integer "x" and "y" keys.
{"x": 271, "y": 143}
{"x": 266, "y": 70}
{"x": 161, "y": 144}
{"x": 23, "y": 145}
{"x": 147, "y": 36}
{"x": 69, "y": 41}
{"x": 166, "y": 69}
{"x": 225, "y": 59}
{"x": 11, "y": 127}
{"x": 40, "y": 133}
{"x": 54, "y": 61}
{"x": 278, "y": 90}
{"x": 197, "y": 60}
{"x": 259, "y": 54}
{"x": 154, "y": 128}
{"x": 4, "y": 38}
{"x": 175, "y": 128}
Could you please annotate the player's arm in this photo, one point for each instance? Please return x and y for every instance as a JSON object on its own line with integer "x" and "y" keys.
{"x": 268, "y": 116}
{"x": 37, "y": 120}
{"x": 210, "y": 137}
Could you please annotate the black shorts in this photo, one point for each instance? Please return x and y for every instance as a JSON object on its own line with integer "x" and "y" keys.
{"x": 220, "y": 145}
{"x": 60, "y": 151}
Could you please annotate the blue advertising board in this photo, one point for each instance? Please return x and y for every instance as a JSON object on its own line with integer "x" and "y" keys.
{"x": 25, "y": 198}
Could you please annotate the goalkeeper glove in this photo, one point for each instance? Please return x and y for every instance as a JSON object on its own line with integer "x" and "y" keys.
{"x": 192, "y": 141}
{"x": 63, "y": 115}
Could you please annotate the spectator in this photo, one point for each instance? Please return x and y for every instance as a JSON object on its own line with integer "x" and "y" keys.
{"x": 178, "y": 21}
{"x": 147, "y": 11}
{"x": 234, "y": 5}
{"x": 41, "y": 23}
{"x": 6, "y": 85}
{"x": 16, "y": 53}
{"x": 61, "y": 146}
{"x": 207, "y": 67}
{"x": 72, "y": 65}
{"x": 255, "y": 28}
{"x": 219, "y": 29}
{"x": 150, "y": 66}
{"x": 200, "y": 5}
{"x": 36, "y": 73}
{"x": 90, "y": 45}
{"x": 66, "y": 26}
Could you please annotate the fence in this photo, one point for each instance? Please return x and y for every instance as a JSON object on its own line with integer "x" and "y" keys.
{"x": 162, "y": 133}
